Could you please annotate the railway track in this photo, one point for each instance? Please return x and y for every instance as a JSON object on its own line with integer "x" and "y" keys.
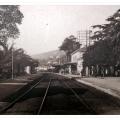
{"x": 44, "y": 98}
{"x": 14, "y": 98}
{"x": 45, "y": 109}
{"x": 105, "y": 100}
{"x": 50, "y": 95}
{"x": 81, "y": 99}
{"x": 93, "y": 93}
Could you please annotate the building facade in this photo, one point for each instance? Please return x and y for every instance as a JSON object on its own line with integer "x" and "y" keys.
{"x": 77, "y": 57}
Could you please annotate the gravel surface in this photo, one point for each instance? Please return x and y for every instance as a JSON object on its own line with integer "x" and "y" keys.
{"x": 60, "y": 100}
{"x": 9, "y": 86}
{"x": 6, "y": 90}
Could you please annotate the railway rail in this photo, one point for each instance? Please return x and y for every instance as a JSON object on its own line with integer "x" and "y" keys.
{"x": 14, "y": 98}
{"x": 58, "y": 95}
{"x": 91, "y": 91}
{"x": 42, "y": 103}
{"x": 81, "y": 99}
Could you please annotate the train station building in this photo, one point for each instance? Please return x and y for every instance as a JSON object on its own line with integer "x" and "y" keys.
{"x": 74, "y": 66}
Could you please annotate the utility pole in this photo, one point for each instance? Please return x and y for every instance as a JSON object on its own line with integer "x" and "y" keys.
{"x": 89, "y": 35}
{"x": 78, "y": 37}
{"x": 86, "y": 38}
{"x": 83, "y": 36}
{"x": 12, "y": 60}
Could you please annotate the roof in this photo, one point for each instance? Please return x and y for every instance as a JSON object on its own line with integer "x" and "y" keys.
{"x": 64, "y": 65}
{"x": 83, "y": 49}
{"x": 70, "y": 63}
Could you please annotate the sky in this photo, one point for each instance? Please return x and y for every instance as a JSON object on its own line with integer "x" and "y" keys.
{"x": 44, "y": 27}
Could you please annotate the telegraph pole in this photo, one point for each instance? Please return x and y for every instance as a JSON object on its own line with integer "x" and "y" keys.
{"x": 12, "y": 60}
{"x": 78, "y": 37}
{"x": 84, "y": 38}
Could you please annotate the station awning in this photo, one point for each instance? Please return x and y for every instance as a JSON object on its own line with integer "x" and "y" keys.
{"x": 70, "y": 63}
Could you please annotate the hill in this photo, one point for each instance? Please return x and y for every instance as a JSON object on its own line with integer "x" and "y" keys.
{"x": 48, "y": 55}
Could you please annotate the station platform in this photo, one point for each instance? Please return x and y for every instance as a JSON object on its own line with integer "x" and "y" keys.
{"x": 110, "y": 85}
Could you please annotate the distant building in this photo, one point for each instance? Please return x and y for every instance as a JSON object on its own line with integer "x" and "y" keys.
{"x": 75, "y": 66}
{"x": 77, "y": 57}
{"x": 42, "y": 68}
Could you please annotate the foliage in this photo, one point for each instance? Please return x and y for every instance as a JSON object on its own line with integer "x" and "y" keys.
{"x": 106, "y": 49}
{"x": 10, "y": 18}
{"x": 21, "y": 60}
{"x": 69, "y": 45}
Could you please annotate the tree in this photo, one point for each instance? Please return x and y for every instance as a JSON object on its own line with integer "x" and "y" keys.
{"x": 69, "y": 45}
{"x": 115, "y": 33}
{"x": 10, "y": 18}
{"x": 106, "y": 49}
{"x": 21, "y": 60}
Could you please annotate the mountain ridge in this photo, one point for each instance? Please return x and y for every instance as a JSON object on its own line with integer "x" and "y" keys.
{"x": 49, "y": 54}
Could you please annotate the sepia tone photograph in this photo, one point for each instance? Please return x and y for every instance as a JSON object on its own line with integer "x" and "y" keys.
{"x": 59, "y": 59}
